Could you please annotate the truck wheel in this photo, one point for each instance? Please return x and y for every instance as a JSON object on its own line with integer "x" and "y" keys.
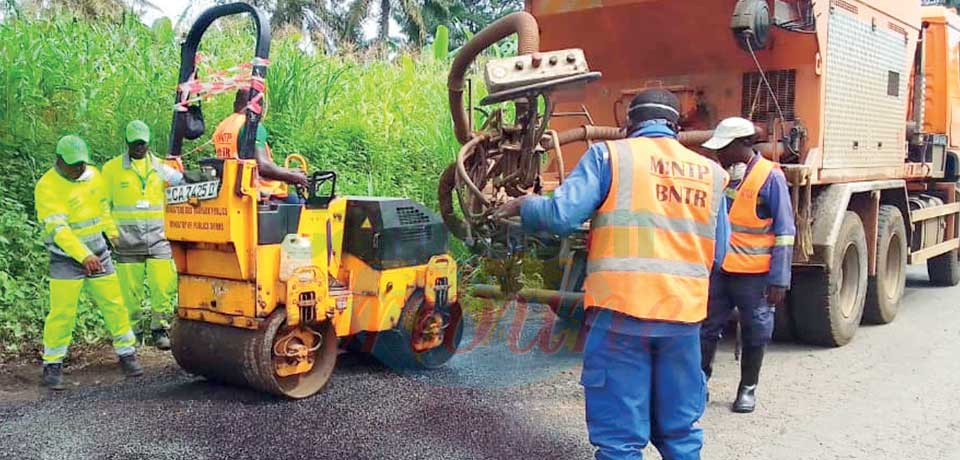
{"x": 828, "y": 303}
{"x": 885, "y": 290}
{"x": 944, "y": 270}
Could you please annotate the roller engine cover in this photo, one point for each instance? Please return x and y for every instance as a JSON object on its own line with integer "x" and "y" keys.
{"x": 393, "y": 232}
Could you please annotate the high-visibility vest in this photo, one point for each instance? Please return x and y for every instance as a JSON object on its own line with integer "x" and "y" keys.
{"x": 226, "y": 145}
{"x": 137, "y": 200}
{"x": 74, "y": 217}
{"x": 651, "y": 242}
{"x": 751, "y": 238}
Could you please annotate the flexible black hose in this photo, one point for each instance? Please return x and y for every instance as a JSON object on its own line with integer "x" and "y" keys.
{"x": 528, "y": 33}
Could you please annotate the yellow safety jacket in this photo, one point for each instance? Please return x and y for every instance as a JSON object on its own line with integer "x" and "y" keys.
{"x": 137, "y": 201}
{"x": 651, "y": 242}
{"x": 74, "y": 216}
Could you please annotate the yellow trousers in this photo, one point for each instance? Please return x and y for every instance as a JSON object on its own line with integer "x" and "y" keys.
{"x": 60, "y": 322}
{"x": 159, "y": 276}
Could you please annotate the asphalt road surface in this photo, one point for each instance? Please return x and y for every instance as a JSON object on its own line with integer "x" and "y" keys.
{"x": 894, "y": 392}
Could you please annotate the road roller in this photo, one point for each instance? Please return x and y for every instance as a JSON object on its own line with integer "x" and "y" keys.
{"x": 270, "y": 290}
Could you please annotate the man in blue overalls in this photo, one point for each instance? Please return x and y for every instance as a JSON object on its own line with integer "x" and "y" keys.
{"x": 755, "y": 275}
{"x": 658, "y": 224}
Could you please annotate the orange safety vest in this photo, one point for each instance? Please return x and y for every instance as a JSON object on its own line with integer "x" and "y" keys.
{"x": 751, "y": 238}
{"x": 225, "y": 140}
{"x": 651, "y": 245}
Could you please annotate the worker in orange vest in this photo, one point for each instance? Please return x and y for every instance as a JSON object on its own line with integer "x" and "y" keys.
{"x": 659, "y": 224}
{"x": 756, "y": 272}
{"x": 274, "y": 179}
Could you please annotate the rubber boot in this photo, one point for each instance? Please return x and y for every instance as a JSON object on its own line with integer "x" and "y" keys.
{"x": 53, "y": 376}
{"x": 160, "y": 339}
{"x": 708, "y": 349}
{"x": 749, "y": 377}
{"x": 130, "y": 365}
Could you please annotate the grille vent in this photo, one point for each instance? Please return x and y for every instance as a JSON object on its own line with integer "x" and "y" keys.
{"x": 896, "y": 28}
{"x": 409, "y": 215}
{"x": 757, "y": 105}
{"x": 846, "y": 5}
{"x": 414, "y": 234}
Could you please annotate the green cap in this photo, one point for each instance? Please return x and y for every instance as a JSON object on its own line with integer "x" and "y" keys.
{"x": 73, "y": 150}
{"x": 137, "y": 131}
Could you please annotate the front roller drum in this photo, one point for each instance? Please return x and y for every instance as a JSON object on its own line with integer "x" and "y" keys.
{"x": 291, "y": 362}
{"x": 418, "y": 341}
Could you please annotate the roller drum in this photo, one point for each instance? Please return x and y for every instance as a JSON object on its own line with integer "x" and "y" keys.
{"x": 245, "y": 357}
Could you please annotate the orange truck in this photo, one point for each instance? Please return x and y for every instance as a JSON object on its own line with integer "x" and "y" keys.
{"x": 856, "y": 97}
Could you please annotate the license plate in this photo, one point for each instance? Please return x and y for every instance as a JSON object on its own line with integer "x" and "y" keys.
{"x": 201, "y": 191}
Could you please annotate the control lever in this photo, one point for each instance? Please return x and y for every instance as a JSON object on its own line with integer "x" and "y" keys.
{"x": 323, "y": 189}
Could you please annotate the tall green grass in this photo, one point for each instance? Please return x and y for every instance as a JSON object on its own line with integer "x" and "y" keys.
{"x": 383, "y": 126}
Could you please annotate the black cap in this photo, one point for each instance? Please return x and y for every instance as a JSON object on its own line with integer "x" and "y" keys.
{"x": 654, "y": 104}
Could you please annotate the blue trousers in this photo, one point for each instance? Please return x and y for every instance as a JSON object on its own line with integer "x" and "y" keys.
{"x": 292, "y": 197}
{"x": 643, "y": 389}
{"x": 748, "y": 294}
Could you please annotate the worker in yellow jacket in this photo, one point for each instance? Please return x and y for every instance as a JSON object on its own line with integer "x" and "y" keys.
{"x": 135, "y": 188}
{"x": 72, "y": 207}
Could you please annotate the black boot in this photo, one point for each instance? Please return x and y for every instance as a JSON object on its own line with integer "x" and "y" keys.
{"x": 160, "y": 339}
{"x": 131, "y": 367}
{"x": 53, "y": 376}
{"x": 708, "y": 349}
{"x": 750, "y": 365}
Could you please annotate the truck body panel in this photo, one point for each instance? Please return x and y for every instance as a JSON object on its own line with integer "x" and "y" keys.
{"x": 847, "y": 84}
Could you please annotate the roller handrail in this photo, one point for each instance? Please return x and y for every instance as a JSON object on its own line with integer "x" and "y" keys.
{"x": 188, "y": 56}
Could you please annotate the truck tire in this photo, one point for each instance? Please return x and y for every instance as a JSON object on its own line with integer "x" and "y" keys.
{"x": 944, "y": 270}
{"x": 828, "y": 303}
{"x": 885, "y": 289}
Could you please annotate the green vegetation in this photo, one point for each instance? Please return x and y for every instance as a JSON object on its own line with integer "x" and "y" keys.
{"x": 384, "y": 126}
{"x": 342, "y": 22}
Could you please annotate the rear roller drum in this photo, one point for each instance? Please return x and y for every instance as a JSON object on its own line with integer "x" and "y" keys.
{"x": 295, "y": 362}
{"x": 422, "y": 339}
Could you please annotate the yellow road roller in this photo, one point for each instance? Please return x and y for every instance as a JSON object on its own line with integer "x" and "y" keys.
{"x": 268, "y": 290}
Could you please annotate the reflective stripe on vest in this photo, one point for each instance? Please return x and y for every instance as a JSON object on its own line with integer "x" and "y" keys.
{"x": 752, "y": 238}
{"x": 225, "y": 141}
{"x": 80, "y": 226}
{"x": 137, "y": 199}
{"x": 84, "y": 237}
{"x": 651, "y": 244}
{"x": 86, "y": 230}
{"x": 134, "y": 214}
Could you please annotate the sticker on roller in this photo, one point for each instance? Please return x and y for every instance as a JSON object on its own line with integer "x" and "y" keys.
{"x": 200, "y": 191}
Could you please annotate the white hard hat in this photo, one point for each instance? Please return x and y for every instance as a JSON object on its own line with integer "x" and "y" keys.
{"x": 728, "y": 130}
